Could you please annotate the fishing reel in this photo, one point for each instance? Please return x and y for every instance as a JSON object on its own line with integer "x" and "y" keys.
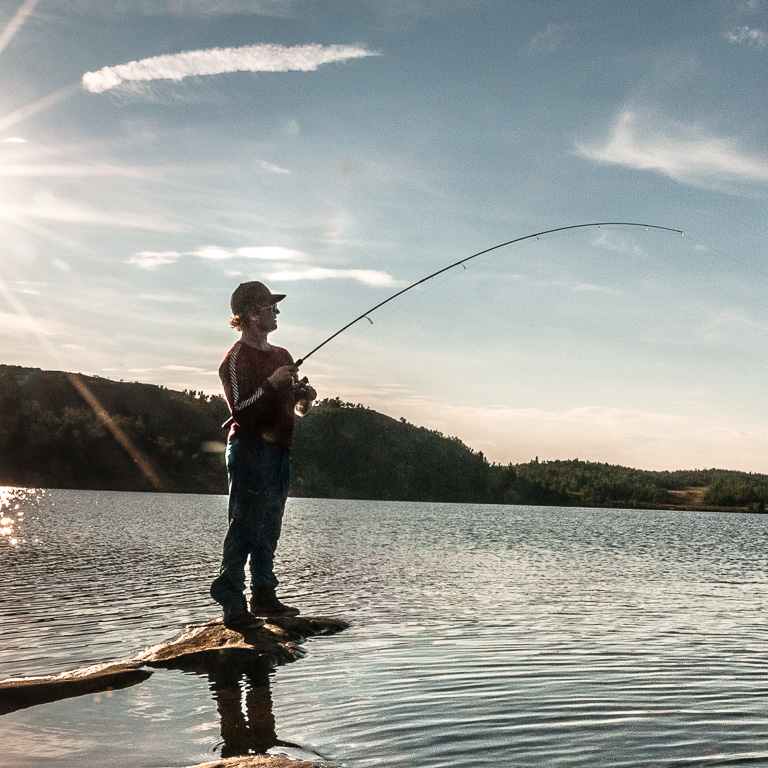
{"x": 302, "y": 395}
{"x": 301, "y": 389}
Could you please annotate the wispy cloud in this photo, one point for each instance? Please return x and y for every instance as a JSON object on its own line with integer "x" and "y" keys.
{"x": 153, "y": 259}
{"x": 20, "y": 325}
{"x": 14, "y": 140}
{"x": 63, "y": 169}
{"x": 21, "y": 114}
{"x": 366, "y": 276}
{"x": 166, "y": 298}
{"x": 609, "y": 242}
{"x": 653, "y": 439}
{"x": 262, "y": 252}
{"x": 217, "y": 61}
{"x": 682, "y": 152}
{"x": 65, "y": 212}
{"x": 755, "y": 38}
{"x": 560, "y": 285}
{"x": 549, "y": 40}
{"x": 270, "y": 168}
{"x": 731, "y": 327}
{"x": 182, "y": 8}
{"x": 592, "y": 288}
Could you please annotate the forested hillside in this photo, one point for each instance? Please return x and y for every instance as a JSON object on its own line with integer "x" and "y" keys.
{"x": 50, "y": 436}
{"x": 62, "y": 430}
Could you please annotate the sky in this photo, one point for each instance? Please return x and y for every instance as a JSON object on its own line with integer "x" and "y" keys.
{"x": 156, "y": 153}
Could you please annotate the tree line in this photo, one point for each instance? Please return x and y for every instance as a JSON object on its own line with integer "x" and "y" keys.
{"x": 51, "y": 437}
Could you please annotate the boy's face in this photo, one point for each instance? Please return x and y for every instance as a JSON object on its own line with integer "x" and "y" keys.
{"x": 265, "y": 319}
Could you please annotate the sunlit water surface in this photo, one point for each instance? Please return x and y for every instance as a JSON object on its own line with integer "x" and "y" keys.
{"x": 481, "y": 635}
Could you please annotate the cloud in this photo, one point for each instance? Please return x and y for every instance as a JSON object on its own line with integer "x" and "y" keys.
{"x": 152, "y": 259}
{"x": 14, "y": 140}
{"x": 216, "y": 61}
{"x": 682, "y": 152}
{"x": 610, "y": 243}
{"x": 366, "y": 276}
{"x": 65, "y": 212}
{"x": 21, "y": 114}
{"x": 264, "y": 252}
{"x": 182, "y": 8}
{"x": 21, "y": 325}
{"x": 560, "y": 285}
{"x": 74, "y": 169}
{"x": 270, "y": 168}
{"x": 653, "y": 439}
{"x": 754, "y": 38}
{"x": 171, "y": 298}
{"x": 592, "y": 288}
{"x": 615, "y": 417}
{"x": 550, "y": 40}
{"x": 732, "y": 328}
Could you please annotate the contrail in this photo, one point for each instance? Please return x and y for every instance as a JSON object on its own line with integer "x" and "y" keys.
{"x": 216, "y": 61}
{"x": 12, "y": 27}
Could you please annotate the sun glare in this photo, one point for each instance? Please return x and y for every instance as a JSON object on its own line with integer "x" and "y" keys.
{"x": 7, "y": 496}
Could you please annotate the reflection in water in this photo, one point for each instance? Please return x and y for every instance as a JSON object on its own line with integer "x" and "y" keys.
{"x": 244, "y": 703}
{"x": 11, "y": 512}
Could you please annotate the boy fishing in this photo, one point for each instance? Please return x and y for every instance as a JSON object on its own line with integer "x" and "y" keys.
{"x": 264, "y": 394}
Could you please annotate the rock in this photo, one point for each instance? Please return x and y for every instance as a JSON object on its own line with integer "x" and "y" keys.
{"x": 205, "y": 647}
{"x": 209, "y": 648}
{"x": 257, "y": 761}
{"x": 18, "y": 693}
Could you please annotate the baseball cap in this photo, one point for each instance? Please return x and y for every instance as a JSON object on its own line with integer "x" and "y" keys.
{"x": 252, "y": 296}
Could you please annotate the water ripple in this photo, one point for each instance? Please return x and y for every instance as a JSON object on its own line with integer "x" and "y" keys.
{"x": 483, "y": 636}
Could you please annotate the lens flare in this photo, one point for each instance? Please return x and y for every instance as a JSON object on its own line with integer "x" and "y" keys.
{"x": 141, "y": 461}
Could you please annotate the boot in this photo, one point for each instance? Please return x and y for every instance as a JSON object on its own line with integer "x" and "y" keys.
{"x": 264, "y": 602}
{"x": 233, "y": 605}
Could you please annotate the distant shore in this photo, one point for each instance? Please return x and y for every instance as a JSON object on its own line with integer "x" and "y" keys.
{"x": 70, "y": 431}
{"x": 688, "y": 500}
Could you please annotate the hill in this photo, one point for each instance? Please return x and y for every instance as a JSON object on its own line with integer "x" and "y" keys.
{"x": 65, "y": 430}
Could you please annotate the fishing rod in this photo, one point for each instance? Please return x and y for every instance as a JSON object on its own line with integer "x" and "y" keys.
{"x": 305, "y": 381}
{"x": 364, "y": 316}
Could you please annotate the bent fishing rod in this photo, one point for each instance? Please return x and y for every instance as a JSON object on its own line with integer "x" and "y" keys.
{"x": 364, "y": 316}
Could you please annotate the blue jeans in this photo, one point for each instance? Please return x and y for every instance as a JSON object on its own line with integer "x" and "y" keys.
{"x": 259, "y": 476}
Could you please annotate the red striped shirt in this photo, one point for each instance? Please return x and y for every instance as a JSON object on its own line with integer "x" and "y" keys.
{"x": 256, "y": 406}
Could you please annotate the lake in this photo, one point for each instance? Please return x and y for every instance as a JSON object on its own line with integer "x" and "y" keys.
{"x": 480, "y": 635}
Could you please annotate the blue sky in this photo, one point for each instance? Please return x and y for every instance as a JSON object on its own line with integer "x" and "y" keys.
{"x": 154, "y": 154}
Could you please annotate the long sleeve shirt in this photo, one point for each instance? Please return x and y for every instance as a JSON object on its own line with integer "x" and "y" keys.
{"x": 256, "y": 406}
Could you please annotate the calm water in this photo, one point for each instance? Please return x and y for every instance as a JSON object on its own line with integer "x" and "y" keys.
{"x": 481, "y": 636}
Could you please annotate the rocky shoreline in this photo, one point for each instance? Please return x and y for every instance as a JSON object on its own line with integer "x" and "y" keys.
{"x": 231, "y": 658}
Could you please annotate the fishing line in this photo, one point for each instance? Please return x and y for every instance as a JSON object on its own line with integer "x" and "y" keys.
{"x": 731, "y": 258}
{"x": 367, "y": 313}
{"x": 380, "y": 320}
